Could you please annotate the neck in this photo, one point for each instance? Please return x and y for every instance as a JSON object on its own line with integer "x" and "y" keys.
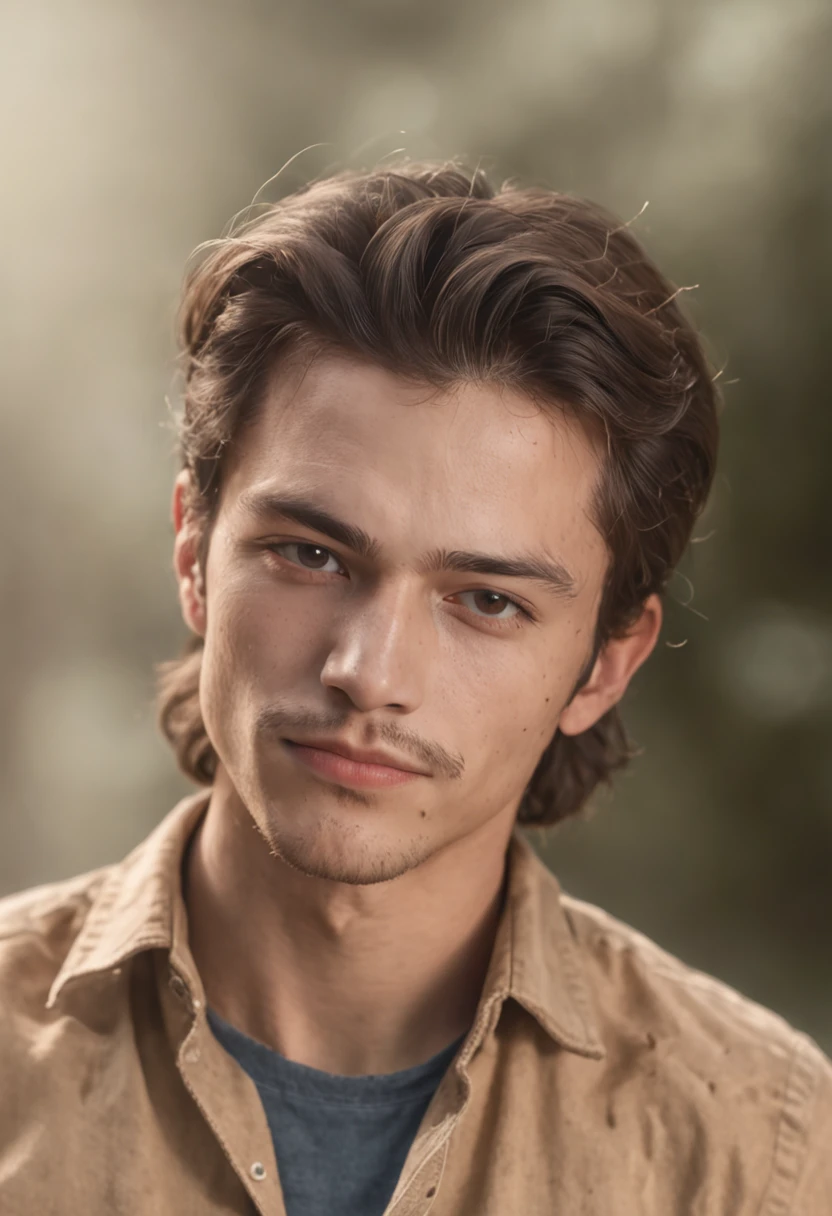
{"x": 347, "y": 979}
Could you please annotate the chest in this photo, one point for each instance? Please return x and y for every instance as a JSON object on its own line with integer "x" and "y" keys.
{"x": 149, "y": 1128}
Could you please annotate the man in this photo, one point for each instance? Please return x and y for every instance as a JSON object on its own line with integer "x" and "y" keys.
{"x": 441, "y": 450}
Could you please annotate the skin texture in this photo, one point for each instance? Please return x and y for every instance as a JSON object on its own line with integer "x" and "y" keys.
{"x": 377, "y": 908}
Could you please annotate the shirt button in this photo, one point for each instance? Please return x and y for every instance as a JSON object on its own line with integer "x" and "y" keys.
{"x": 258, "y": 1171}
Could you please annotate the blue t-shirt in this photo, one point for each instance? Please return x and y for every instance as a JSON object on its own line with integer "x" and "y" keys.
{"x": 340, "y": 1142}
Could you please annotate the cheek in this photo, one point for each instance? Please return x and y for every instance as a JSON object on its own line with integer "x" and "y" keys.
{"x": 509, "y": 707}
{"x": 257, "y": 641}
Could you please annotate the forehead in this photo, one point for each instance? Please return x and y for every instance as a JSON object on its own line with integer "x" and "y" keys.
{"x": 460, "y": 466}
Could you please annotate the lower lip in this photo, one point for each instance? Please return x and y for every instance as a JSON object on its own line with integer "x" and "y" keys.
{"x": 340, "y": 769}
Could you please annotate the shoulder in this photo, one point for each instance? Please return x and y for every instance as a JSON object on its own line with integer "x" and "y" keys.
{"x": 711, "y": 1056}
{"x": 637, "y": 983}
{"x": 37, "y": 930}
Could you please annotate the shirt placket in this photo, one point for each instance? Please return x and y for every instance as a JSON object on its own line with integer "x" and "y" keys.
{"x": 419, "y": 1190}
{"x": 225, "y": 1095}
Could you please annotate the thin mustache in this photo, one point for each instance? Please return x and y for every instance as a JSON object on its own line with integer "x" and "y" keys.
{"x": 286, "y": 722}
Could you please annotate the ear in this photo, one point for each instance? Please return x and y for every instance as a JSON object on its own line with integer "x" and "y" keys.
{"x": 615, "y": 666}
{"x": 189, "y": 577}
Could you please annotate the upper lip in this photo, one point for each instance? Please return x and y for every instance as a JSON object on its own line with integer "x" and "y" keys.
{"x": 360, "y": 755}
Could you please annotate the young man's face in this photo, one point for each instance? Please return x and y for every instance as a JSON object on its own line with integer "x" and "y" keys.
{"x": 408, "y": 627}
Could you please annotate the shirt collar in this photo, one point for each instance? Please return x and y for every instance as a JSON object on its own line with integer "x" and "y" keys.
{"x": 535, "y": 960}
{"x": 138, "y": 905}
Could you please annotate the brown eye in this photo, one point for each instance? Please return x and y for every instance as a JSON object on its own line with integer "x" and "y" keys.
{"x": 313, "y": 556}
{"x": 491, "y": 604}
{"x": 308, "y": 556}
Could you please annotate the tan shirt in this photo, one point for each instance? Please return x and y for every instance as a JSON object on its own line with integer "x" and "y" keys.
{"x": 601, "y": 1077}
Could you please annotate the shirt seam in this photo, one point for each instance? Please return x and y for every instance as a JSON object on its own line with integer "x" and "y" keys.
{"x": 792, "y": 1139}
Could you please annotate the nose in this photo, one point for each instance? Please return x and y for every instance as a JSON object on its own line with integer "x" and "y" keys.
{"x": 380, "y": 655}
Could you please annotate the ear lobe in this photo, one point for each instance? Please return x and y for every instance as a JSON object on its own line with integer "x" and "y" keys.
{"x": 615, "y": 666}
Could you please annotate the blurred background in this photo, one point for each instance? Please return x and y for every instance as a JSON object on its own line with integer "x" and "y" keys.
{"x": 132, "y": 132}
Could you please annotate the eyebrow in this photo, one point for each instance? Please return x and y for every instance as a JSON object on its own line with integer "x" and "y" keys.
{"x": 547, "y": 572}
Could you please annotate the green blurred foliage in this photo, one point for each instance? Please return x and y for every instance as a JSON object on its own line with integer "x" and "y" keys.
{"x": 130, "y": 133}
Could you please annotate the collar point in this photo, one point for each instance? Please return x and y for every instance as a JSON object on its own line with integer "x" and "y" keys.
{"x": 55, "y": 992}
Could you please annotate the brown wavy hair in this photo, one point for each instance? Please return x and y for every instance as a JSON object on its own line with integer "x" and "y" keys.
{"x": 431, "y": 272}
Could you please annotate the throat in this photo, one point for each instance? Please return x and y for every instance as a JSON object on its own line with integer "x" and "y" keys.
{"x": 347, "y": 980}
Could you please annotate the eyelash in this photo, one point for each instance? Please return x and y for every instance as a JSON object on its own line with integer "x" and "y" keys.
{"x": 517, "y": 620}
